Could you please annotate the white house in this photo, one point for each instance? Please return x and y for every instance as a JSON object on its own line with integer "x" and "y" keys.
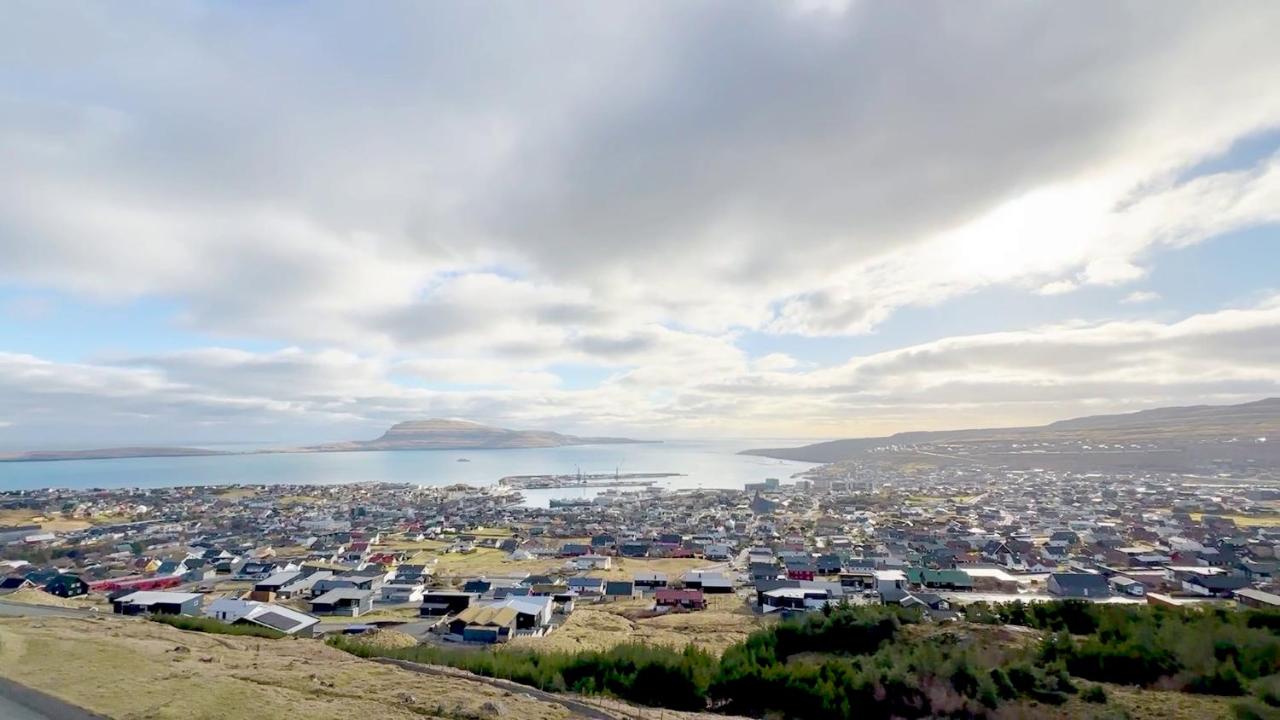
{"x": 890, "y": 580}
{"x": 403, "y": 592}
{"x": 277, "y": 617}
{"x": 592, "y": 562}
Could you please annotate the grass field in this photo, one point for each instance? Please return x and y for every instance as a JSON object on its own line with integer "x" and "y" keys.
{"x": 488, "y": 561}
{"x": 1267, "y": 520}
{"x": 55, "y": 523}
{"x": 134, "y": 669}
{"x": 726, "y": 620}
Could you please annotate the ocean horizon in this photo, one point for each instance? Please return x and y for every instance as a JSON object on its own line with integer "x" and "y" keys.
{"x": 701, "y": 464}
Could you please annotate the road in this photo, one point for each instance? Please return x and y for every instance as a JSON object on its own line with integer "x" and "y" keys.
{"x": 12, "y": 609}
{"x": 19, "y": 702}
{"x": 10, "y": 710}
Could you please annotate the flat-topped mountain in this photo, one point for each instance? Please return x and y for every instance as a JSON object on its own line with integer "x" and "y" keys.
{"x": 442, "y": 434}
{"x": 1173, "y": 425}
{"x": 435, "y": 434}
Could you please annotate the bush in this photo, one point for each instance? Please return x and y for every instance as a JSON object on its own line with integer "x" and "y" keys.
{"x": 216, "y": 627}
{"x": 1094, "y": 694}
{"x": 857, "y": 662}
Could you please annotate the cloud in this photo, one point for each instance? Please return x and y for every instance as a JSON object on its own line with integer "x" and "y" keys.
{"x": 730, "y": 178}
{"x": 1140, "y": 296}
{"x": 1058, "y": 287}
{"x": 466, "y": 196}
{"x": 1025, "y": 376}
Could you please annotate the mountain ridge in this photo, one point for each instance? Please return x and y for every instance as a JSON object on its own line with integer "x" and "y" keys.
{"x": 430, "y": 434}
{"x": 1176, "y": 423}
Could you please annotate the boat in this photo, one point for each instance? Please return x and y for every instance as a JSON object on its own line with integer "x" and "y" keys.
{"x": 464, "y": 459}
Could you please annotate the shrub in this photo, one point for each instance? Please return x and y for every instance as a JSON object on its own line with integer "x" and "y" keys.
{"x": 216, "y": 627}
{"x": 1094, "y": 694}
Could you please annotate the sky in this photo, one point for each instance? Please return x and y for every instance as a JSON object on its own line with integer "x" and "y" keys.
{"x": 292, "y": 222}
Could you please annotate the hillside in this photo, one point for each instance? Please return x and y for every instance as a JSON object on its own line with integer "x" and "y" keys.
{"x": 106, "y": 454}
{"x": 142, "y": 669}
{"x": 435, "y": 434}
{"x": 1172, "y": 427}
{"x": 441, "y": 434}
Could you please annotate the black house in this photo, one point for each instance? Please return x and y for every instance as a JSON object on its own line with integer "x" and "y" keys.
{"x": 67, "y": 586}
{"x": 443, "y": 602}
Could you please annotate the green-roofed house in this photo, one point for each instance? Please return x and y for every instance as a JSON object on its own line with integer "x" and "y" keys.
{"x": 67, "y": 586}
{"x": 940, "y": 579}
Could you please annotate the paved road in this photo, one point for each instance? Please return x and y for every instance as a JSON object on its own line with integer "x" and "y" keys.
{"x": 10, "y": 710}
{"x": 12, "y": 609}
{"x": 19, "y": 702}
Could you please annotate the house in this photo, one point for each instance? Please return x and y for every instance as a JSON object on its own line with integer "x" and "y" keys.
{"x": 793, "y": 598}
{"x": 302, "y": 585}
{"x": 890, "y": 580}
{"x": 347, "y": 601}
{"x": 801, "y": 569}
{"x": 444, "y": 602}
{"x": 1215, "y": 585}
{"x": 67, "y": 586}
{"x": 619, "y": 589}
{"x": 477, "y": 586}
{"x": 586, "y": 585}
{"x": 940, "y": 579}
{"x": 484, "y": 624}
{"x": 410, "y": 574}
{"x": 1257, "y": 599}
{"x": 497, "y": 621}
{"x": 764, "y": 571}
{"x": 574, "y": 550}
{"x": 402, "y": 593}
{"x": 858, "y": 579}
{"x": 687, "y": 599}
{"x": 650, "y": 580}
{"x": 15, "y": 582}
{"x": 592, "y": 562}
{"x": 254, "y": 570}
{"x": 276, "y": 617}
{"x": 1127, "y": 586}
{"x": 717, "y": 551}
{"x": 350, "y": 580}
{"x": 634, "y": 549}
{"x": 708, "y": 581}
{"x": 155, "y": 602}
{"x": 266, "y": 589}
{"x": 1078, "y": 585}
{"x": 828, "y": 564}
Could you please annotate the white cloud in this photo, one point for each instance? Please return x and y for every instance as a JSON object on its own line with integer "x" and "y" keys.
{"x": 729, "y": 173}
{"x": 1058, "y": 287}
{"x": 1140, "y": 296}
{"x": 467, "y": 195}
{"x": 1025, "y": 376}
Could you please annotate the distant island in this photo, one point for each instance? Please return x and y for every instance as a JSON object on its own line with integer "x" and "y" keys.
{"x": 435, "y": 434}
{"x": 1255, "y": 425}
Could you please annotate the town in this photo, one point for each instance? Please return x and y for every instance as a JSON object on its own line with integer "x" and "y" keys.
{"x": 474, "y": 565}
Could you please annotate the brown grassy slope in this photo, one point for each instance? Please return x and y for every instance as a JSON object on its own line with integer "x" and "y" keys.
{"x": 726, "y": 621}
{"x": 137, "y": 669}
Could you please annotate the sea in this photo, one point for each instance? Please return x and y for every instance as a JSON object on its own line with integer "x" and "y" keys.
{"x": 701, "y": 464}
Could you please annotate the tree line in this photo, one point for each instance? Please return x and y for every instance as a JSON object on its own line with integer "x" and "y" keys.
{"x": 874, "y": 661}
